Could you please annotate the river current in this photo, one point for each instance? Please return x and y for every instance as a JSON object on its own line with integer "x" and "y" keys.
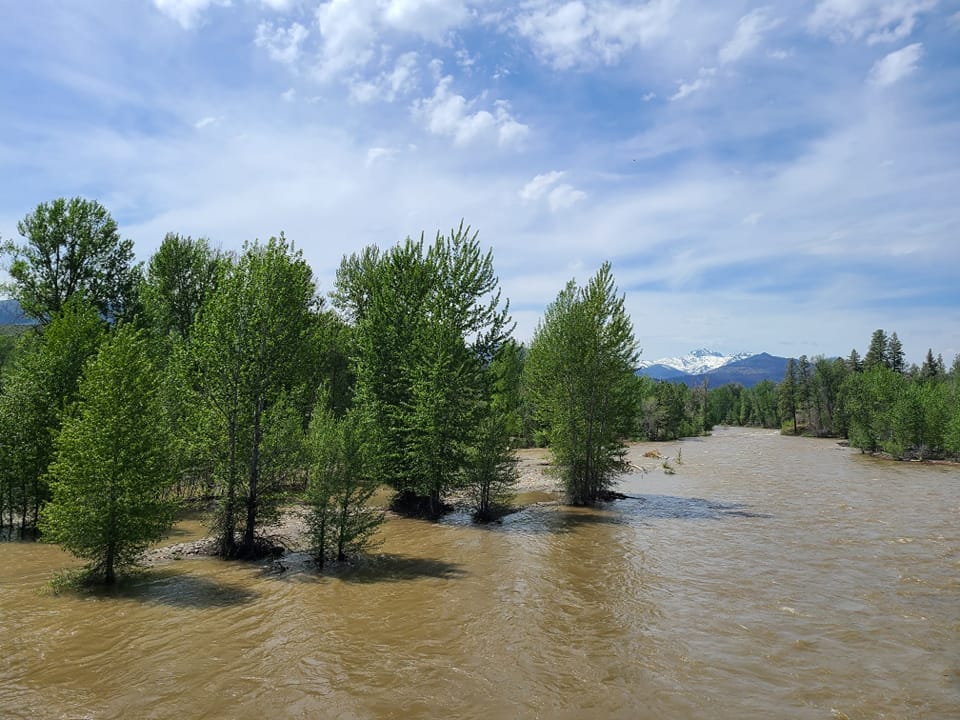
{"x": 767, "y": 577}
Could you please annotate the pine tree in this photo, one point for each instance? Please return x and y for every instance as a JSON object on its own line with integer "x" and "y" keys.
{"x": 894, "y": 358}
{"x": 788, "y": 394}
{"x": 877, "y": 352}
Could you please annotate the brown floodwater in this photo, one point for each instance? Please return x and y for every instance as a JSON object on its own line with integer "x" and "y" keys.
{"x": 769, "y": 577}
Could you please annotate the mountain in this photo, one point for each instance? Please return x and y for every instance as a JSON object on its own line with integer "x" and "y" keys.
{"x": 717, "y": 369}
{"x": 695, "y": 362}
{"x": 11, "y": 314}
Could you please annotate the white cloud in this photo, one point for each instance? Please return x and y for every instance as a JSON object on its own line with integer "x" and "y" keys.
{"x": 278, "y": 5}
{"x": 430, "y": 19}
{"x": 187, "y": 12}
{"x": 289, "y": 95}
{"x": 747, "y": 36}
{"x": 282, "y": 44}
{"x": 205, "y": 122}
{"x": 447, "y": 113}
{"x": 389, "y": 85}
{"x": 896, "y": 65}
{"x": 575, "y": 33}
{"x": 540, "y": 184}
{"x": 375, "y": 153}
{"x": 348, "y": 29}
{"x": 702, "y": 81}
{"x": 875, "y": 20}
{"x": 559, "y": 195}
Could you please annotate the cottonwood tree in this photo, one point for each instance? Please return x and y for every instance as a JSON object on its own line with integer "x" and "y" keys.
{"x": 247, "y": 360}
{"x": 426, "y": 322}
{"x": 580, "y": 370}
{"x": 111, "y": 468}
{"x": 37, "y": 393}
{"x": 490, "y": 472}
{"x": 71, "y": 247}
{"x": 341, "y": 521}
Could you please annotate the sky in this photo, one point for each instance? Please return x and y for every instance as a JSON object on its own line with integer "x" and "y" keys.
{"x": 779, "y": 177}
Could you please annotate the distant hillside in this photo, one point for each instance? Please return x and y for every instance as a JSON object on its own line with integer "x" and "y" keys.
{"x": 747, "y": 372}
{"x": 716, "y": 369}
{"x": 11, "y": 314}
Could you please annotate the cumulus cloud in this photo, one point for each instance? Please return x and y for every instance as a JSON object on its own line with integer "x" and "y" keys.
{"x": 447, "y": 113}
{"x": 282, "y": 44}
{"x": 186, "y": 12}
{"x": 576, "y": 33}
{"x": 401, "y": 80}
{"x": 877, "y": 21}
{"x": 348, "y": 31}
{"x": 430, "y": 19}
{"x": 559, "y": 196}
{"x": 896, "y": 65}
{"x": 750, "y": 29}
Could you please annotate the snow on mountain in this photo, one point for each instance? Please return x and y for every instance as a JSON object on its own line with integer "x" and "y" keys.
{"x": 696, "y": 362}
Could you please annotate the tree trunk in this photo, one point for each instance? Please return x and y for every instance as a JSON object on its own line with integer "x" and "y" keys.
{"x": 251, "y": 525}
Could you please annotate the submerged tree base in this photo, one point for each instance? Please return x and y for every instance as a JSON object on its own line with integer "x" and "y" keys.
{"x": 410, "y": 504}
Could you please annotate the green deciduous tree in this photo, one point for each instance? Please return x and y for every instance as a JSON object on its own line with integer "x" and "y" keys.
{"x": 788, "y": 394}
{"x": 111, "y": 468}
{"x": 71, "y": 247}
{"x": 341, "y": 521}
{"x": 247, "y": 364}
{"x": 37, "y": 393}
{"x": 580, "y": 370}
{"x": 427, "y": 321}
{"x": 180, "y": 276}
{"x": 490, "y": 472}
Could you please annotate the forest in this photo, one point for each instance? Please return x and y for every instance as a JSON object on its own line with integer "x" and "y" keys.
{"x": 227, "y": 380}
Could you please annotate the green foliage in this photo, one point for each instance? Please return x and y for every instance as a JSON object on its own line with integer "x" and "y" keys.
{"x": 246, "y": 363}
{"x": 341, "y": 522}
{"x": 72, "y": 247}
{"x": 111, "y": 468}
{"x": 37, "y": 394}
{"x": 180, "y": 276}
{"x": 426, "y": 323}
{"x": 491, "y": 469}
{"x": 580, "y": 371}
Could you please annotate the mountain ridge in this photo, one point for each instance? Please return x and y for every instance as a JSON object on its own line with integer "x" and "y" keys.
{"x": 716, "y": 369}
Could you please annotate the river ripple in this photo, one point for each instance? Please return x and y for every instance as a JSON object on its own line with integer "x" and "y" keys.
{"x": 768, "y": 577}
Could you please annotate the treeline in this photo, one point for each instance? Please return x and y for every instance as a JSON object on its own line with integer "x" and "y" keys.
{"x": 226, "y": 378}
{"x": 875, "y": 400}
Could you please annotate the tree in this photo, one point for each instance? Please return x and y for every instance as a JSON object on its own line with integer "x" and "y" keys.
{"x": 37, "y": 394}
{"x": 932, "y": 368}
{"x": 894, "y": 358}
{"x": 111, "y": 467}
{"x": 341, "y": 522}
{"x": 426, "y": 321}
{"x": 247, "y": 362}
{"x": 72, "y": 247}
{"x": 180, "y": 276}
{"x": 580, "y": 370}
{"x": 491, "y": 468}
{"x": 877, "y": 352}
{"x": 854, "y": 363}
{"x": 788, "y": 394}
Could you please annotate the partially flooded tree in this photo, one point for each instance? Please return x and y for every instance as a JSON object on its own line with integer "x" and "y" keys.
{"x": 341, "y": 522}
{"x": 426, "y": 321}
{"x": 490, "y": 473}
{"x": 37, "y": 393}
{"x": 111, "y": 468}
{"x": 580, "y": 370}
{"x": 247, "y": 359}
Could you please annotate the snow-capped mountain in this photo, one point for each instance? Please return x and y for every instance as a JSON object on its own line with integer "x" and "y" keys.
{"x": 696, "y": 362}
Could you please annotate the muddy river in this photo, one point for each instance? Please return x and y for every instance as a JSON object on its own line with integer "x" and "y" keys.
{"x": 767, "y": 577}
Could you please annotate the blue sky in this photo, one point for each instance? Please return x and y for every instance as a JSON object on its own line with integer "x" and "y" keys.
{"x": 779, "y": 177}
